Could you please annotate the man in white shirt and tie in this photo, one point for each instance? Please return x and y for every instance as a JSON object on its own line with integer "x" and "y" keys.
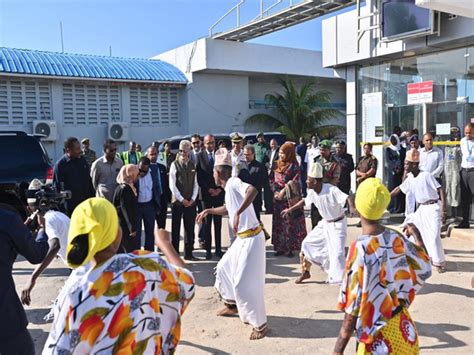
{"x": 312, "y": 152}
{"x": 431, "y": 158}
{"x": 145, "y": 207}
{"x": 467, "y": 174}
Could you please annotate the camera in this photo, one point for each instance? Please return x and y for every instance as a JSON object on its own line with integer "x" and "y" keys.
{"x": 47, "y": 198}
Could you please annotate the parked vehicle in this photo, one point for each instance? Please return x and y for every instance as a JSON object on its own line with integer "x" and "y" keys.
{"x": 25, "y": 159}
{"x": 225, "y": 137}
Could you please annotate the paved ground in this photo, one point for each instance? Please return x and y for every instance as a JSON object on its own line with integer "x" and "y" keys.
{"x": 302, "y": 318}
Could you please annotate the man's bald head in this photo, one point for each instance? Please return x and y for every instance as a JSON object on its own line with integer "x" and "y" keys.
{"x": 152, "y": 154}
{"x": 469, "y": 131}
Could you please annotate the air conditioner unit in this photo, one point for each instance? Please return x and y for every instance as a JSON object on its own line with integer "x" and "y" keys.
{"x": 118, "y": 131}
{"x": 47, "y": 129}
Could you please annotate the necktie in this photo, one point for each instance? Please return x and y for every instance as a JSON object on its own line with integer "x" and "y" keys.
{"x": 211, "y": 161}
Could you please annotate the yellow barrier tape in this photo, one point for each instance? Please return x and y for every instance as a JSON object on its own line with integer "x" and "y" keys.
{"x": 434, "y": 143}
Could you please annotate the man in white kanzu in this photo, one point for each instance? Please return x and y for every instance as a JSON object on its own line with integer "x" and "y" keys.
{"x": 324, "y": 245}
{"x": 240, "y": 274}
{"x": 431, "y": 212}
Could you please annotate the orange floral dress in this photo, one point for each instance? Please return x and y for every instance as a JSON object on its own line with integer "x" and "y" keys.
{"x": 383, "y": 274}
{"x": 132, "y": 303}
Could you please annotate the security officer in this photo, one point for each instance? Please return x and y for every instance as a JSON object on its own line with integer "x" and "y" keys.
{"x": 331, "y": 173}
{"x": 131, "y": 156}
{"x": 88, "y": 153}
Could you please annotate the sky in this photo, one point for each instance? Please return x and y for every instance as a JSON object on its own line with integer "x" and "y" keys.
{"x": 133, "y": 28}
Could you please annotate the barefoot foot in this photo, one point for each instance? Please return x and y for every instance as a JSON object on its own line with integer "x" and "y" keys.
{"x": 305, "y": 275}
{"x": 258, "y": 334}
{"x": 227, "y": 312}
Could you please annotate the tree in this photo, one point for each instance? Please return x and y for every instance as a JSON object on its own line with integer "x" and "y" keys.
{"x": 300, "y": 112}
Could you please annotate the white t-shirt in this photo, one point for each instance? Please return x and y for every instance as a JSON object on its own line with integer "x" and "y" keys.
{"x": 330, "y": 201}
{"x": 235, "y": 191}
{"x": 467, "y": 150}
{"x": 424, "y": 187}
{"x": 57, "y": 226}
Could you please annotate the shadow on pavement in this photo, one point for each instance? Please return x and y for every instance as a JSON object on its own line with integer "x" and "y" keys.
{"x": 39, "y": 339}
{"x": 448, "y": 289}
{"x": 440, "y": 332}
{"x": 36, "y": 315}
{"x": 304, "y": 328}
{"x": 201, "y": 347}
{"x": 49, "y": 272}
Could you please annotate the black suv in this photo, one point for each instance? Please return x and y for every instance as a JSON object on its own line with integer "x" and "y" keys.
{"x": 24, "y": 159}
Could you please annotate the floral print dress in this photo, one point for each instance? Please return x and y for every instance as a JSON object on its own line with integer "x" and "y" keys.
{"x": 132, "y": 303}
{"x": 287, "y": 234}
{"x": 383, "y": 274}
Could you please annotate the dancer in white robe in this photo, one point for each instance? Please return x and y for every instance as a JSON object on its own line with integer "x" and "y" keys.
{"x": 240, "y": 274}
{"x": 324, "y": 245}
{"x": 431, "y": 211}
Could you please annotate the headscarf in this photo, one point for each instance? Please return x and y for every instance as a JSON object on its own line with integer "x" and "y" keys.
{"x": 290, "y": 157}
{"x": 372, "y": 199}
{"x": 97, "y": 218}
{"x": 127, "y": 175}
{"x": 395, "y": 147}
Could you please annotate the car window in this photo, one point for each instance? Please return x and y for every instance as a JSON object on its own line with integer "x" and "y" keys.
{"x": 24, "y": 152}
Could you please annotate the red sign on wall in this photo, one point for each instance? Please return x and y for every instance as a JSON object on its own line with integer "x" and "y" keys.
{"x": 420, "y": 93}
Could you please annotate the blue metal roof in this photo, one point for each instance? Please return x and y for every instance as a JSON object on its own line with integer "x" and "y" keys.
{"x": 32, "y": 62}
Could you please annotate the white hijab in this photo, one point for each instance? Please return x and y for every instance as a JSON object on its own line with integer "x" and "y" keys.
{"x": 395, "y": 147}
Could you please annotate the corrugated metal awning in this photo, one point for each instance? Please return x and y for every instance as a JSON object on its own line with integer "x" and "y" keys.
{"x": 38, "y": 63}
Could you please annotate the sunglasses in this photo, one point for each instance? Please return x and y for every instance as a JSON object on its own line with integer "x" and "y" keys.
{"x": 212, "y": 142}
{"x": 194, "y": 143}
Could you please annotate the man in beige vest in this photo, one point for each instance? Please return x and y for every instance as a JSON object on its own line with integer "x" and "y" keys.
{"x": 184, "y": 188}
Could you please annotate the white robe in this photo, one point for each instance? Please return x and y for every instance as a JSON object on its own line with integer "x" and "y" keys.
{"x": 240, "y": 274}
{"x": 427, "y": 219}
{"x": 324, "y": 246}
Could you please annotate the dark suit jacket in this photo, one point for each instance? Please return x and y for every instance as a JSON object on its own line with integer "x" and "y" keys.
{"x": 255, "y": 174}
{"x": 205, "y": 177}
{"x": 268, "y": 163}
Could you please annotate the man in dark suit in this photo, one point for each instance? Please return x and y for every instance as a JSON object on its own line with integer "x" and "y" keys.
{"x": 212, "y": 195}
{"x": 160, "y": 177}
{"x": 270, "y": 158}
{"x": 254, "y": 174}
{"x": 149, "y": 194}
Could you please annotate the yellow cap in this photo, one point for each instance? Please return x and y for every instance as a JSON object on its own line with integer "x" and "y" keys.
{"x": 97, "y": 218}
{"x": 372, "y": 199}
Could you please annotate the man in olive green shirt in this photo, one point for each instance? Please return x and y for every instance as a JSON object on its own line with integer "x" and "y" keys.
{"x": 261, "y": 148}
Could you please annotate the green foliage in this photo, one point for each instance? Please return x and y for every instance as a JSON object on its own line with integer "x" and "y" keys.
{"x": 301, "y": 112}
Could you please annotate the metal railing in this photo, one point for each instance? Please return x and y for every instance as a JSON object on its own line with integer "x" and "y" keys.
{"x": 263, "y": 12}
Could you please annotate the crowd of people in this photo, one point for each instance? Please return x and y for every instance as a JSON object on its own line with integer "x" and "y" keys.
{"x": 122, "y": 294}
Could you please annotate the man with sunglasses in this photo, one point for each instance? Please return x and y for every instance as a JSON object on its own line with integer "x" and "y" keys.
{"x": 104, "y": 171}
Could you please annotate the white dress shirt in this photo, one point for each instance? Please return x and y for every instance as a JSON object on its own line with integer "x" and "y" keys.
{"x": 175, "y": 190}
{"x": 145, "y": 191}
{"x": 432, "y": 161}
{"x": 467, "y": 152}
{"x": 311, "y": 153}
{"x": 238, "y": 163}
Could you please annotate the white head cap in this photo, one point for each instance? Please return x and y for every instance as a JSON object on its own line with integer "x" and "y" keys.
{"x": 35, "y": 185}
{"x": 316, "y": 171}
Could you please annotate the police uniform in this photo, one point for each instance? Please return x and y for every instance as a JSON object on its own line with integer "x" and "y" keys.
{"x": 366, "y": 163}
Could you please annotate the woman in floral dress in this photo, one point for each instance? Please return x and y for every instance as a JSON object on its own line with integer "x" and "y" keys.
{"x": 287, "y": 233}
{"x": 384, "y": 271}
{"x": 117, "y": 303}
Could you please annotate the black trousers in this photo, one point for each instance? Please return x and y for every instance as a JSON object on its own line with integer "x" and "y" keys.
{"x": 20, "y": 344}
{"x": 188, "y": 214}
{"x": 210, "y": 203}
{"x": 467, "y": 192}
{"x": 267, "y": 195}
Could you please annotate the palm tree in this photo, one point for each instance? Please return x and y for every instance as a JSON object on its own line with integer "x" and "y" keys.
{"x": 300, "y": 112}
